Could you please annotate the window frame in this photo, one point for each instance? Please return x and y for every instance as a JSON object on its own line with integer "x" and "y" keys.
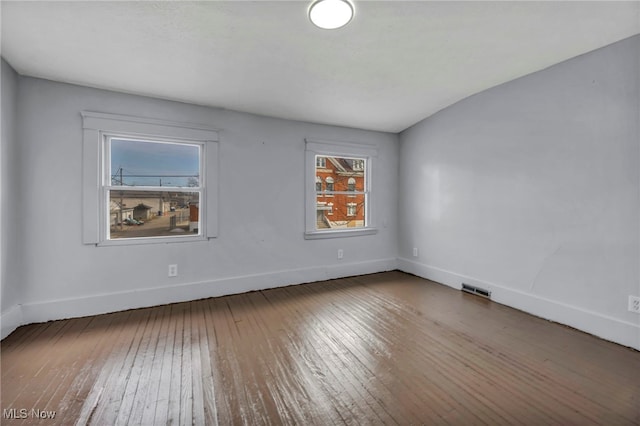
{"x": 99, "y": 126}
{"x": 317, "y": 147}
{"x": 107, "y": 187}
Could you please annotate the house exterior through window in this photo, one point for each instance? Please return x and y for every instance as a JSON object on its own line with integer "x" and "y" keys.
{"x": 345, "y": 185}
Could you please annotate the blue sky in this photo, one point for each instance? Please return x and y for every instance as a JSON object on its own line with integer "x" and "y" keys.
{"x": 153, "y": 163}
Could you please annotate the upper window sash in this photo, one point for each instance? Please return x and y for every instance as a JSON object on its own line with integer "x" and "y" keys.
{"x": 109, "y": 172}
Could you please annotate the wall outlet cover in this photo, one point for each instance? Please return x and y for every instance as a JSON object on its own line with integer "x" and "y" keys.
{"x": 173, "y": 270}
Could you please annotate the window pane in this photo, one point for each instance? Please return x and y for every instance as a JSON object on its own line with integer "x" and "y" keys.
{"x": 345, "y": 212}
{"x": 341, "y": 174}
{"x": 147, "y": 163}
{"x": 135, "y": 214}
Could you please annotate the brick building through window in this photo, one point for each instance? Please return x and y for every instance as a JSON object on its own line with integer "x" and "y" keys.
{"x": 340, "y": 192}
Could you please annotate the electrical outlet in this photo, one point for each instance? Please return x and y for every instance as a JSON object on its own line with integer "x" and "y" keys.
{"x": 340, "y": 253}
{"x": 634, "y": 304}
{"x": 173, "y": 270}
{"x": 415, "y": 252}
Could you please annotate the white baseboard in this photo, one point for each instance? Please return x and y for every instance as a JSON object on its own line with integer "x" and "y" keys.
{"x": 603, "y": 326}
{"x": 615, "y": 330}
{"x": 10, "y": 320}
{"x": 141, "y": 298}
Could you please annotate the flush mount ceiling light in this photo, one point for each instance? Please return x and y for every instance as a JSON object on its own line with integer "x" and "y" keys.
{"x": 331, "y": 14}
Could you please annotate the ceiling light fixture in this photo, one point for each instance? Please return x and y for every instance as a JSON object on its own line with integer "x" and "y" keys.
{"x": 331, "y": 14}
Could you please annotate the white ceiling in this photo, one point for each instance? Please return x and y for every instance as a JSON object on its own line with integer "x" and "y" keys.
{"x": 396, "y": 63}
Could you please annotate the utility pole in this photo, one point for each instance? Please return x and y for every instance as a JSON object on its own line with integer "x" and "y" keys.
{"x": 121, "y": 203}
{"x": 160, "y": 206}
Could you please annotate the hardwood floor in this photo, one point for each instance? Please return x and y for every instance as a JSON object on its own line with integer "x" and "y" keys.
{"x": 387, "y": 348}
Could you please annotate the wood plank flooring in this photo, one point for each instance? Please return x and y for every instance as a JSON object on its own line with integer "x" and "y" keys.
{"x": 387, "y": 348}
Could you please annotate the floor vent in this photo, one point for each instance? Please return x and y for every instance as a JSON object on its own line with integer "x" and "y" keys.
{"x": 476, "y": 290}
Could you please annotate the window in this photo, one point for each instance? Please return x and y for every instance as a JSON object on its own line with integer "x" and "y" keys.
{"x": 347, "y": 175}
{"x": 147, "y": 180}
{"x": 318, "y": 184}
{"x": 351, "y": 185}
{"x": 153, "y": 187}
{"x": 329, "y": 181}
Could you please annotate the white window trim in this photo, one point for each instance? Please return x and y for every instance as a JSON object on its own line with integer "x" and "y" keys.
{"x": 96, "y": 126}
{"x": 337, "y": 149}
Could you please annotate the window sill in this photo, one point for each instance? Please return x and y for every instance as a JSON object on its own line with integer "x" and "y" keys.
{"x": 152, "y": 240}
{"x": 339, "y": 233}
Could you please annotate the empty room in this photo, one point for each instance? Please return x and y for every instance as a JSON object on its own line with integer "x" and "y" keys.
{"x": 320, "y": 212}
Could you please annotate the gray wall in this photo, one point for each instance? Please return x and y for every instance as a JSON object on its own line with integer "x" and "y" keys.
{"x": 261, "y": 214}
{"x": 532, "y": 189}
{"x": 10, "y": 285}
